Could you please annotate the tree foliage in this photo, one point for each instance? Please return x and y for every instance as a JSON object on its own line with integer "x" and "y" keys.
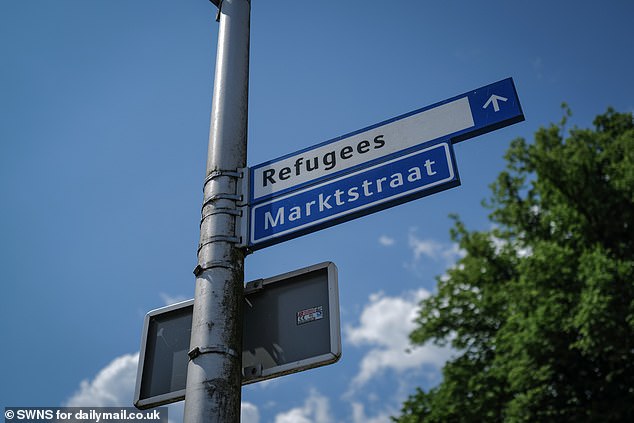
{"x": 540, "y": 310}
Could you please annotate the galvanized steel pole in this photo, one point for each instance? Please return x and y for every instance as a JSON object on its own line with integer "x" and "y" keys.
{"x": 214, "y": 372}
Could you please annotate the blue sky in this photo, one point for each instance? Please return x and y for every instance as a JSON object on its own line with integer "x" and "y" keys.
{"x": 104, "y": 120}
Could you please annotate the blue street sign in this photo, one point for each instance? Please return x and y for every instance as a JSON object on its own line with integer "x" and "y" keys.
{"x": 392, "y": 162}
{"x": 365, "y": 191}
{"x": 461, "y": 117}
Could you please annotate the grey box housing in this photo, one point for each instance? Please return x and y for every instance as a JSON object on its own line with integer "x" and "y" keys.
{"x": 291, "y": 323}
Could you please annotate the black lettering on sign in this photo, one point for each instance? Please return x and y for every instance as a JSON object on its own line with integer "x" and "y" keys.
{"x": 328, "y": 160}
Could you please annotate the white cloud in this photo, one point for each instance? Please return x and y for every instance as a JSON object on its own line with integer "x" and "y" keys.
{"x": 112, "y": 387}
{"x": 386, "y": 241}
{"x": 316, "y": 409}
{"x": 385, "y": 325}
{"x": 249, "y": 413}
{"x": 424, "y": 247}
{"x": 431, "y": 249}
{"x": 169, "y": 299}
{"x": 358, "y": 415}
{"x": 386, "y": 320}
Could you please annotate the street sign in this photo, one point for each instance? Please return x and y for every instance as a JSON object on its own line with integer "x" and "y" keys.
{"x": 290, "y": 324}
{"x": 458, "y": 118}
{"x": 365, "y": 191}
{"x": 377, "y": 167}
{"x": 162, "y": 369}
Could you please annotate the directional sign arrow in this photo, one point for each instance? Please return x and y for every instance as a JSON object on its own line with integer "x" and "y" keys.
{"x": 494, "y": 100}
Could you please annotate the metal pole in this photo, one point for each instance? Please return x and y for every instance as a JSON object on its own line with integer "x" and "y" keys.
{"x": 214, "y": 372}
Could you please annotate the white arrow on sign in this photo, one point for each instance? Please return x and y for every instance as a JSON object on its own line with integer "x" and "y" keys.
{"x": 494, "y": 100}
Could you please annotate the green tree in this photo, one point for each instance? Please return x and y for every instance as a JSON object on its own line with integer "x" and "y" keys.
{"x": 541, "y": 309}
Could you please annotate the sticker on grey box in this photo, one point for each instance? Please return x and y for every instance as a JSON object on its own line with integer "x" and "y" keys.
{"x": 310, "y": 315}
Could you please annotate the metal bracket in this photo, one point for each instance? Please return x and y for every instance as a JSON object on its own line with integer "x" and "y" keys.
{"x": 242, "y": 225}
{"x": 242, "y": 228}
{"x": 252, "y": 372}
{"x": 243, "y": 186}
{"x": 214, "y": 349}
{"x": 218, "y": 4}
{"x": 251, "y": 288}
{"x": 254, "y": 286}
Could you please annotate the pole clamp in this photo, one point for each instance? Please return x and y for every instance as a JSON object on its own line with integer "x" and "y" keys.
{"x": 200, "y": 268}
{"x": 214, "y": 197}
{"x": 219, "y": 238}
{"x": 214, "y": 349}
{"x": 233, "y": 212}
{"x": 217, "y": 173}
{"x": 240, "y": 174}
